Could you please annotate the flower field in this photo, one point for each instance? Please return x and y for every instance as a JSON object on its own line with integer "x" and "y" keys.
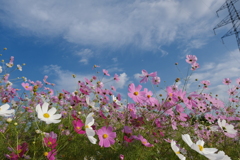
{"x": 98, "y": 123}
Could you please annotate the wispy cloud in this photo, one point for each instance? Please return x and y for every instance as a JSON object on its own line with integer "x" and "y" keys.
{"x": 85, "y": 55}
{"x": 146, "y": 24}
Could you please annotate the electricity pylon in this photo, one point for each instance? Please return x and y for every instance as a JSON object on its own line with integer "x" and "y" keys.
{"x": 233, "y": 17}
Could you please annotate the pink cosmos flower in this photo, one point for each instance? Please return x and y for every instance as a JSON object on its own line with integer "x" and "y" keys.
{"x": 106, "y": 72}
{"x": 106, "y": 136}
{"x": 78, "y": 124}
{"x": 195, "y": 66}
{"x": 226, "y": 81}
{"x": 232, "y": 91}
{"x": 21, "y": 150}
{"x": 206, "y": 83}
{"x": 135, "y": 93}
{"x": 146, "y": 75}
{"x": 50, "y": 142}
{"x": 238, "y": 81}
{"x": 121, "y": 157}
{"x": 143, "y": 140}
{"x": 191, "y": 59}
{"x": 156, "y": 80}
{"x": 51, "y": 155}
{"x": 26, "y": 86}
{"x": 116, "y": 77}
{"x": 113, "y": 88}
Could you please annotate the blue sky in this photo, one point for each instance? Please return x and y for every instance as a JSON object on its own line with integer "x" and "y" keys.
{"x": 58, "y": 39}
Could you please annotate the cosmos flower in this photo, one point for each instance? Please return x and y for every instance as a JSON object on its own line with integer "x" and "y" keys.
{"x": 4, "y": 110}
{"x": 88, "y": 128}
{"x": 106, "y": 136}
{"x": 198, "y": 146}
{"x": 191, "y": 59}
{"x": 46, "y": 115}
{"x": 146, "y": 75}
{"x": 177, "y": 150}
{"x": 228, "y": 129}
{"x": 226, "y": 81}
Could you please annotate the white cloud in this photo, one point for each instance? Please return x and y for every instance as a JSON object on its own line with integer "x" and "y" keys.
{"x": 137, "y": 76}
{"x": 145, "y": 23}
{"x": 85, "y": 55}
{"x": 64, "y": 79}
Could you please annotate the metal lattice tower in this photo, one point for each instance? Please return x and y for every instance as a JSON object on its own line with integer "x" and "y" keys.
{"x": 233, "y": 17}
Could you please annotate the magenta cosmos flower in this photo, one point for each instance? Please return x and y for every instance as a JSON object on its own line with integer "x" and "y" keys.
{"x": 106, "y": 136}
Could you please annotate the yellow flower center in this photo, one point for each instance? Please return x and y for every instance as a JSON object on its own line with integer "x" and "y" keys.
{"x": 78, "y": 128}
{"x": 86, "y": 126}
{"x": 26, "y": 86}
{"x": 105, "y": 136}
{"x": 178, "y": 152}
{"x": 200, "y": 147}
{"x": 46, "y": 115}
{"x": 170, "y": 94}
{"x": 148, "y": 96}
{"x": 144, "y": 142}
{"x": 135, "y": 93}
{"x": 19, "y": 151}
{"x": 45, "y": 153}
{"x": 49, "y": 143}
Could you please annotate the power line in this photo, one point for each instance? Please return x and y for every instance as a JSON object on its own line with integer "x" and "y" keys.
{"x": 233, "y": 17}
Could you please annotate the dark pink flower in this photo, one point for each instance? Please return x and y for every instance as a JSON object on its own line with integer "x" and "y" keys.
{"x": 51, "y": 155}
{"x": 78, "y": 124}
{"x": 106, "y": 136}
{"x": 50, "y": 142}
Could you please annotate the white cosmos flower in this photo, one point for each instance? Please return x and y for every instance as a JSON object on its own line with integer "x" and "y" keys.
{"x": 177, "y": 151}
{"x": 198, "y": 146}
{"x": 228, "y": 129}
{"x": 46, "y": 115}
{"x": 19, "y": 67}
{"x": 91, "y": 104}
{"x": 218, "y": 156}
{"x": 88, "y": 128}
{"x": 116, "y": 100}
{"x": 4, "y": 110}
